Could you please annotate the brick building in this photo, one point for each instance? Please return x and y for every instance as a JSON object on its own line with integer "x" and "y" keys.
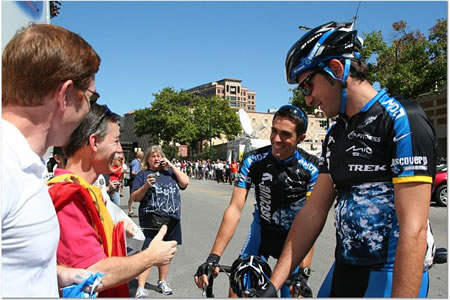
{"x": 230, "y": 89}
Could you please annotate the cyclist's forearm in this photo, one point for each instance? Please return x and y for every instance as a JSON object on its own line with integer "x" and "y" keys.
{"x": 226, "y": 231}
{"x": 306, "y": 263}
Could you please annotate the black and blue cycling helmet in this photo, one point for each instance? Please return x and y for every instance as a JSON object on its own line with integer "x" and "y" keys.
{"x": 248, "y": 273}
{"x": 321, "y": 44}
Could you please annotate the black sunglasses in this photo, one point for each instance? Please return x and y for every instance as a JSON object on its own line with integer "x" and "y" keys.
{"x": 295, "y": 111}
{"x": 94, "y": 96}
{"x": 301, "y": 86}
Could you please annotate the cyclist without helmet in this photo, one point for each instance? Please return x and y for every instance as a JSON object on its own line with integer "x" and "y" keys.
{"x": 378, "y": 162}
{"x": 249, "y": 273}
{"x": 283, "y": 176}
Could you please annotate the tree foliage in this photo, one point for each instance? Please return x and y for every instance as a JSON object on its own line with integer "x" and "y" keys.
{"x": 412, "y": 64}
{"x": 183, "y": 117}
{"x": 298, "y": 99}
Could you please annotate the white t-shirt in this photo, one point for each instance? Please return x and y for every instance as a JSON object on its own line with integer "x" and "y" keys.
{"x": 101, "y": 183}
{"x": 124, "y": 168}
{"x": 30, "y": 228}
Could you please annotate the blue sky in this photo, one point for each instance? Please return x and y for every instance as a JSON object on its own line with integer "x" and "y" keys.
{"x": 147, "y": 46}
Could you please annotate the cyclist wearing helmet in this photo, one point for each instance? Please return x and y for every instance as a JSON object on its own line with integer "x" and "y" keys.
{"x": 283, "y": 176}
{"x": 378, "y": 162}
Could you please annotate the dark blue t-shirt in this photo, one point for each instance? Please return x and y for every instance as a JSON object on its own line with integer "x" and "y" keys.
{"x": 163, "y": 197}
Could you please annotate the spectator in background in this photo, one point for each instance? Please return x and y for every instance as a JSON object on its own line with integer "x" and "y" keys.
{"x": 219, "y": 171}
{"x": 123, "y": 174}
{"x": 45, "y": 96}
{"x": 89, "y": 239}
{"x": 234, "y": 168}
{"x": 115, "y": 178}
{"x": 135, "y": 168}
{"x": 156, "y": 188}
{"x": 60, "y": 158}
{"x": 227, "y": 171}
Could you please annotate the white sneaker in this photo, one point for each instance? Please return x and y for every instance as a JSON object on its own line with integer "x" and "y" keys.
{"x": 164, "y": 287}
{"x": 141, "y": 293}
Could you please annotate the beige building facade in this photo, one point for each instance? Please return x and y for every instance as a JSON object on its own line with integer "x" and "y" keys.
{"x": 230, "y": 89}
{"x": 435, "y": 106}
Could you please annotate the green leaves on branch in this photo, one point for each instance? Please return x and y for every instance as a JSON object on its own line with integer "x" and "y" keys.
{"x": 184, "y": 117}
{"x": 298, "y": 100}
{"x": 413, "y": 64}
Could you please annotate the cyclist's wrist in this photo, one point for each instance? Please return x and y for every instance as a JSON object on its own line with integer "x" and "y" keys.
{"x": 305, "y": 272}
{"x": 213, "y": 259}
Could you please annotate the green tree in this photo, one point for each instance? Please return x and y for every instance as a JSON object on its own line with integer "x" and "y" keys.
{"x": 413, "y": 64}
{"x": 298, "y": 99}
{"x": 169, "y": 118}
{"x": 183, "y": 117}
{"x": 171, "y": 151}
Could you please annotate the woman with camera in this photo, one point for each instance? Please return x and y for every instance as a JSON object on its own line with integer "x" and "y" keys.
{"x": 156, "y": 188}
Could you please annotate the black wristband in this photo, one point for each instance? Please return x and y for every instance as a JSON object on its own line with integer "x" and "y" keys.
{"x": 213, "y": 259}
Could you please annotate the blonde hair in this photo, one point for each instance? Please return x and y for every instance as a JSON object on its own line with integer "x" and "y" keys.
{"x": 148, "y": 153}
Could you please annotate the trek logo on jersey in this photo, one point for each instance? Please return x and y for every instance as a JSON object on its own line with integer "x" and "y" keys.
{"x": 363, "y": 136}
{"x": 265, "y": 197}
{"x": 358, "y": 151}
{"x": 366, "y": 168}
{"x": 394, "y": 108}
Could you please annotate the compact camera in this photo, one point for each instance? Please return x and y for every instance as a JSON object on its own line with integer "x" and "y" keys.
{"x": 154, "y": 175}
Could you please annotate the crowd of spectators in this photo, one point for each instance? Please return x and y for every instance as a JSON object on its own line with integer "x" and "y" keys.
{"x": 217, "y": 170}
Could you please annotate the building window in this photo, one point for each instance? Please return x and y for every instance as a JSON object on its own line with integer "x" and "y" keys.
{"x": 233, "y": 90}
{"x": 239, "y": 89}
{"x": 233, "y": 98}
{"x": 228, "y": 88}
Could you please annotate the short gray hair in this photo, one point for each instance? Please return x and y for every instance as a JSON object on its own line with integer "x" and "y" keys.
{"x": 96, "y": 122}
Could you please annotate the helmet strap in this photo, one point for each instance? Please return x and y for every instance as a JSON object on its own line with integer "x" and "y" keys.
{"x": 343, "y": 80}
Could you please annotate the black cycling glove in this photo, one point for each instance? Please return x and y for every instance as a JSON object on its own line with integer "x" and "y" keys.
{"x": 207, "y": 267}
{"x": 268, "y": 290}
{"x": 300, "y": 283}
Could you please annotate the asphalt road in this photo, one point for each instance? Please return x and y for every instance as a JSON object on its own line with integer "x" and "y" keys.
{"x": 203, "y": 204}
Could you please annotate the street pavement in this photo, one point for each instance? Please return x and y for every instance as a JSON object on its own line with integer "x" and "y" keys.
{"x": 203, "y": 204}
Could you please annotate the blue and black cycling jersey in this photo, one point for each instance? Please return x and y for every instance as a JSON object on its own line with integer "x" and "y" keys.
{"x": 389, "y": 141}
{"x": 281, "y": 187}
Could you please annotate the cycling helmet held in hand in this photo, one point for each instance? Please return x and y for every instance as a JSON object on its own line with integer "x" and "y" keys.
{"x": 321, "y": 44}
{"x": 248, "y": 273}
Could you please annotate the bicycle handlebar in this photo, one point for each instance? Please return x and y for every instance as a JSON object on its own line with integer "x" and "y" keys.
{"x": 208, "y": 291}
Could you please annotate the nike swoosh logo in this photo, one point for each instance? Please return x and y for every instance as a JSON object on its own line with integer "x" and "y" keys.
{"x": 396, "y": 139}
